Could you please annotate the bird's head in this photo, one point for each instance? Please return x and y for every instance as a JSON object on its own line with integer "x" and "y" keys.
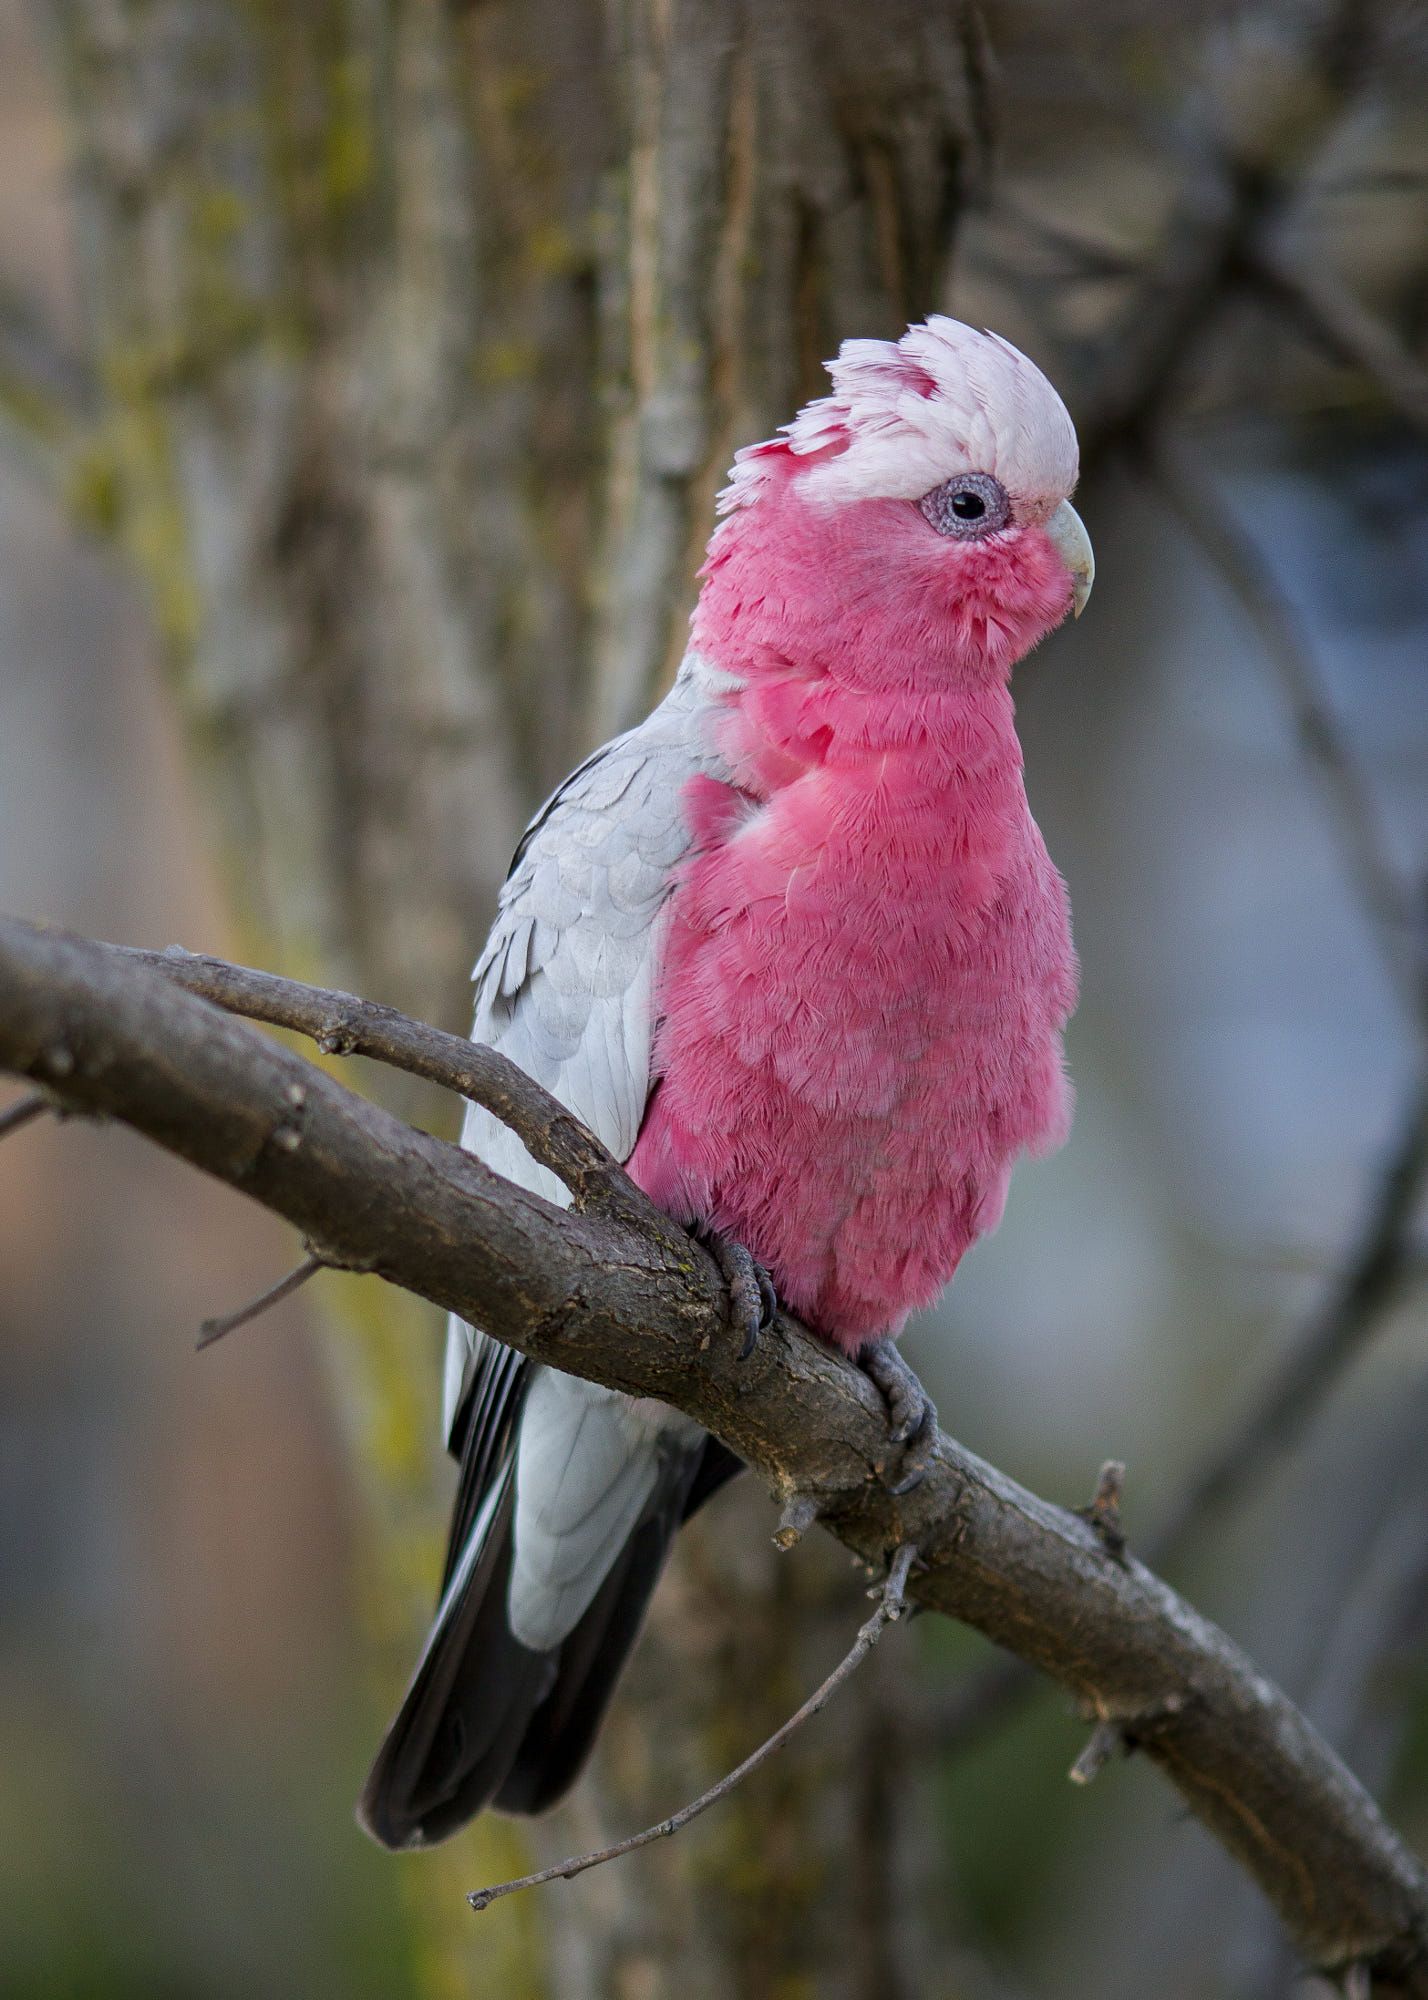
{"x": 923, "y": 503}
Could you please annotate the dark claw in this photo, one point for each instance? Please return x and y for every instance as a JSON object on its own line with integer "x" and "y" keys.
{"x": 753, "y": 1303}
{"x": 912, "y": 1414}
{"x": 917, "y": 1458}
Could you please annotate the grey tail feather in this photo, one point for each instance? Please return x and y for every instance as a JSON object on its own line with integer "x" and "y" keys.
{"x": 488, "y": 1721}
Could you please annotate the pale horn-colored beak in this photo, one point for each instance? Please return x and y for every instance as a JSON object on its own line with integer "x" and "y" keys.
{"x": 1073, "y": 545}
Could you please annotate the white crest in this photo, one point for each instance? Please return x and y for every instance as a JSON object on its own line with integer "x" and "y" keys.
{"x": 905, "y": 415}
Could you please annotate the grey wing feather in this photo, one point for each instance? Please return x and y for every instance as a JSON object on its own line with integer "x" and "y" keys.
{"x": 565, "y": 988}
{"x": 570, "y": 1494}
{"x": 565, "y": 985}
{"x": 588, "y": 1464}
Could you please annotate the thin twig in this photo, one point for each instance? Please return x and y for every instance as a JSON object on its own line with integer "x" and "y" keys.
{"x": 1332, "y": 317}
{"x": 214, "y": 1329}
{"x": 1375, "y": 1275}
{"x": 20, "y": 1114}
{"x": 344, "y": 1025}
{"x": 889, "y": 1610}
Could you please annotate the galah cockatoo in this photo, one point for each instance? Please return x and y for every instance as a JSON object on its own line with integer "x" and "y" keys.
{"x": 794, "y": 949}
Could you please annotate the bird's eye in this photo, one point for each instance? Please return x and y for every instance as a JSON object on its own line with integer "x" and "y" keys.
{"x": 971, "y": 505}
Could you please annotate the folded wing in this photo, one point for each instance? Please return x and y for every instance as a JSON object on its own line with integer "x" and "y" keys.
{"x": 569, "y": 1493}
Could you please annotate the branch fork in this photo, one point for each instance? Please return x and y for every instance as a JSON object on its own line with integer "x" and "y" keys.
{"x": 614, "y": 1295}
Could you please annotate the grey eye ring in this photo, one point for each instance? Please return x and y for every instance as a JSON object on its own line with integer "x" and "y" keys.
{"x": 967, "y": 507}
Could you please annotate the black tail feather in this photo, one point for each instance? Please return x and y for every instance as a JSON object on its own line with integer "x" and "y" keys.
{"x": 562, "y": 1730}
{"x": 488, "y": 1721}
{"x": 464, "y": 1715}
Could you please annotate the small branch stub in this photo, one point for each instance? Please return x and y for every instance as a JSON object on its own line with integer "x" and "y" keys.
{"x": 1104, "y": 1511}
{"x": 800, "y": 1511}
{"x": 214, "y": 1329}
{"x": 1107, "y": 1740}
{"x": 1114, "y": 1736}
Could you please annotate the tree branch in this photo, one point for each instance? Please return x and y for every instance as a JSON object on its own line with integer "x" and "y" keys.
{"x": 1398, "y": 923}
{"x": 1248, "y": 153}
{"x": 341, "y": 1024}
{"x": 1380, "y": 1266}
{"x": 1331, "y": 315}
{"x": 637, "y": 1305}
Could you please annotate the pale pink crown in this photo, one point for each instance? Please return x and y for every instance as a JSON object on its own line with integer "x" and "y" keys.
{"x": 905, "y": 415}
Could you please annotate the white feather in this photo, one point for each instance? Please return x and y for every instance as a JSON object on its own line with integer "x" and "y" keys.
{"x": 565, "y": 988}
{"x": 905, "y": 415}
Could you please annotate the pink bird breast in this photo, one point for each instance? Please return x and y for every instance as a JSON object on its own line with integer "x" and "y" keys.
{"x": 868, "y": 961}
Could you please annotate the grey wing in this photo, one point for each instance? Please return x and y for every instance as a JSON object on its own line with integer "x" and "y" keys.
{"x": 569, "y": 1494}
{"x": 565, "y": 985}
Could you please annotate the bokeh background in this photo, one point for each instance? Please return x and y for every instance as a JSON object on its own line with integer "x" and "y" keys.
{"x": 366, "y": 372}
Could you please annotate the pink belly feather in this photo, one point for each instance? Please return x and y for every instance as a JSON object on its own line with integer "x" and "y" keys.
{"x": 863, "y": 987}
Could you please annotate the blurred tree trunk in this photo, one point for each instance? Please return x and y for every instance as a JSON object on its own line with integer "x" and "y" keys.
{"x": 424, "y": 335}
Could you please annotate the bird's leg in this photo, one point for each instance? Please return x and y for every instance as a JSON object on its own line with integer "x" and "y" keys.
{"x": 753, "y": 1303}
{"x": 912, "y": 1414}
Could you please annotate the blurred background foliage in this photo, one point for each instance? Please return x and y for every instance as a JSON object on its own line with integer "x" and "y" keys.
{"x": 366, "y": 373}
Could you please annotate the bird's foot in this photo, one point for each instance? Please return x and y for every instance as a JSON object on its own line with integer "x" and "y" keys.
{"x": 753, "y": 1303}
{"x": 912, "y": 1414}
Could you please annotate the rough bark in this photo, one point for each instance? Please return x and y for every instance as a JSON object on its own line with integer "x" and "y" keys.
{"x": 613, "y": 1290}
{"x": 792, "y": 172}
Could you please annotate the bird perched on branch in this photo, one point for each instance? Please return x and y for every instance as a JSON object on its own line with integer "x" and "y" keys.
{"x": 794, "y": 950}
